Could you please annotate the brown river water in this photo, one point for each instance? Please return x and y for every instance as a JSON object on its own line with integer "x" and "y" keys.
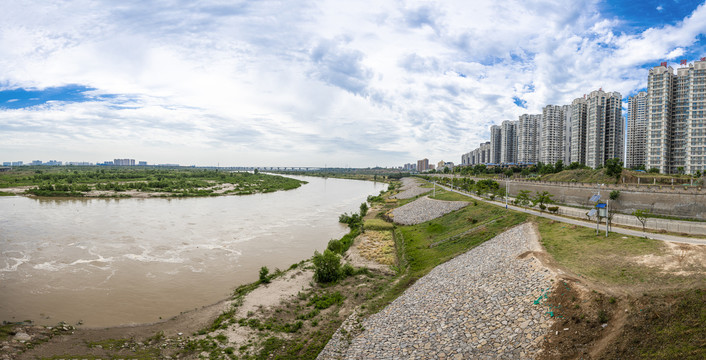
{"x": 110, "y": 262}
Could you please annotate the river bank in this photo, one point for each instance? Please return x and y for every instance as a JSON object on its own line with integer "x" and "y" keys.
{"x": 127, "y": 182}
{"x": 604, "y": 298}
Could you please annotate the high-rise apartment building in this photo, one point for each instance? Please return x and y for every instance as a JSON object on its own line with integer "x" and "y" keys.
{"x": 604, "y": 127}
{"x": 495, "y": 144}
{"x": 676, "y": 125}
{"x": 566, "y": 142}
{"x": 508, "y": 150}
{"x": 528, "y": 138}
{"x": 552, "y": 134}
{"x": 579, "y": 110}
{"x": 124, "y": 162}
{"x": 636, "y": 145}
{"x": 423, "y": 165}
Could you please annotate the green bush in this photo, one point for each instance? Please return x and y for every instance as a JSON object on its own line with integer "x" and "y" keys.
{"x": 326, "y": 266}
{"x": 264, "y": 275}
{"x": 335, "y": 246}
{"x": 347, "y": 270}
{"x": 326, "y": 300}
{"x": 553, "y": 209}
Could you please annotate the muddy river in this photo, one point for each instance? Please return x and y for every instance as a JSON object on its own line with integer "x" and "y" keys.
{"x": 109, "y": 262}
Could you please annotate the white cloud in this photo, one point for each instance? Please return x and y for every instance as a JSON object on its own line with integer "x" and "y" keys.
{"x": 310, "y": 82}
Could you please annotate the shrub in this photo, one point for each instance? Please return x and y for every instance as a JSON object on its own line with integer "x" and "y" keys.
{"x": 326, "y": 300}
{"x": 264, "y": 272}
{"x": 542, "y": 207}
{"x": 326, "y": 266}
{"x": 347, "y": 270}
{"x": 335, "y": 246}
{"x": 363, "y": 209}
{"x": 553, "y": 209}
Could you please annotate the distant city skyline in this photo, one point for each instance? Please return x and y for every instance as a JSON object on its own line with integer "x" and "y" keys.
{"x": 312, "y": 83}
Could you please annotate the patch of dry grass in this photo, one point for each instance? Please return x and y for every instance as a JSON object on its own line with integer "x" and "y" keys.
{"x": 378, "y": 246}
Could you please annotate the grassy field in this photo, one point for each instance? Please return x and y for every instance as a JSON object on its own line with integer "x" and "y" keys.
{"x": 614, "y": 260}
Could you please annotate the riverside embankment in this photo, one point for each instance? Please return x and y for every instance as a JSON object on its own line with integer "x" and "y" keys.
{"x": 480, "y": 305}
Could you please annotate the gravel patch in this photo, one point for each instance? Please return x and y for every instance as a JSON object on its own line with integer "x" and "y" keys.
{"x": 410, "y": 188}
{"x": 479, "y": 305}
{"x": 424, "y": 209}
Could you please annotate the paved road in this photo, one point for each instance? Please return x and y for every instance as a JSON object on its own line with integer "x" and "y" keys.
{"x": 663, "y": 237}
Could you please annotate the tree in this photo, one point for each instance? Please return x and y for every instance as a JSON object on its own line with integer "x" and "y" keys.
{"x": 508, "y": 172}
{"x": 614, "y": 168}
{"x": 559, "y": 166}
{"x": 523, "y": 198}
{"x": 542, "y": 198}
{"x": 642, "y": 215}
{"x": 614, "y": 195}
{"x": 680, "y": 170}
{"x": 653, "y": 171}
{"x": 326, "y": 266}
{"x": 256, "y": 171}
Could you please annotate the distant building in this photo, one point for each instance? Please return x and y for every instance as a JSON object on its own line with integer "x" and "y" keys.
{"x": 676, "y": 120}
{"x": 53, "y": 163}
{"x": 637, "y": 131}
{"x": 568, "y": 123}
{"x": 6, "y": 163}
{"x": 124, "y": 162}
{"x": 496, "y": 141}
{"x": 17, "y": 163}
{"x": 142, "y": 163}
{"x": 528, "y": 129}
{"x": 604, "y": 128}
{"x": 36, "y": 162}
{"x": 508, "y": 150}
{"x": 552, "y": 134}
{"x": 423, "y": 165}
{"x": 579, "y": 109}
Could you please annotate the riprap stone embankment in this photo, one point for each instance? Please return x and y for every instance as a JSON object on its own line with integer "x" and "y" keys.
{"x": 424, "y": 209}
{"x": 480, "y": 305}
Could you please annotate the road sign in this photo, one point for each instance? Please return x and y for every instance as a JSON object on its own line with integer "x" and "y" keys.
{"x": 595, "y": 198}
{"x": 592, "y": 212}
{"x": 600, "y": 206}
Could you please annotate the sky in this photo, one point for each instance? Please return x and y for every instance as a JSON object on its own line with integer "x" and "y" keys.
{"x": 312, "y": 83}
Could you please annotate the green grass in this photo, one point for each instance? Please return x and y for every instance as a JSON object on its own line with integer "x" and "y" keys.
{"x": 5, "y": 193}
{"x": 608, "y": 260}
{"x": 377, "y": 224}
{"x": 413, "y": 243}
{"x": 6, "y": 331}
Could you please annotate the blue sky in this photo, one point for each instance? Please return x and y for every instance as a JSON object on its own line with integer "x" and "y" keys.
{"x": 308, "y": 83}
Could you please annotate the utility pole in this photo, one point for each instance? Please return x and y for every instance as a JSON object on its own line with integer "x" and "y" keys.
{"x": 607, "y": 204}
{"x": 506, "y": 191}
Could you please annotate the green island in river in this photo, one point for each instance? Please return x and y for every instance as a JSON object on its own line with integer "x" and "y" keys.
{"x": 124, "y": 182}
